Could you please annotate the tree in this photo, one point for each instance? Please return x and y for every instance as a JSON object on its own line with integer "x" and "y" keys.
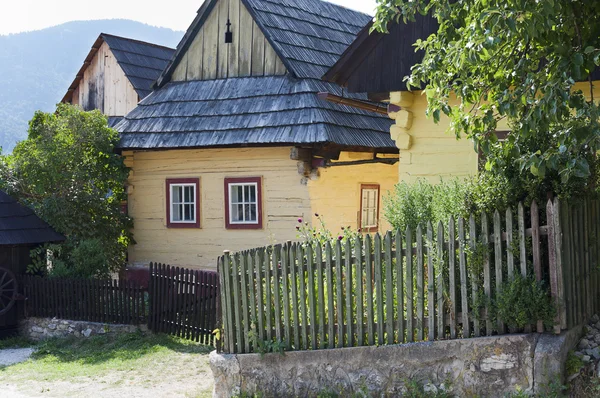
{"x": 68, "y": 172}
{"x": 518, "y": 60}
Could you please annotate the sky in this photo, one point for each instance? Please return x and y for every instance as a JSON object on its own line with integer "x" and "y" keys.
{"x": 26, "y": 15}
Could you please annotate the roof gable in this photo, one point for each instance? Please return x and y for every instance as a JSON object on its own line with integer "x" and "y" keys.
{"x": 20, "y": 226}
{"x": 140, "y": 61}
{"x": 306, "y": 36}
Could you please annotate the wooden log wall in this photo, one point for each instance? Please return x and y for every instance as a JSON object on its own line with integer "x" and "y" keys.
{"x": 209, "y": 57}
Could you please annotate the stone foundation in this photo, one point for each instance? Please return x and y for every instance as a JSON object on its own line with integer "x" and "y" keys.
{"x": 485, "y": 367}
{"x": 43, "y": 328}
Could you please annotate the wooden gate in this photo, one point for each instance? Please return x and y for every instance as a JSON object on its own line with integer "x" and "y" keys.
{"x": 183, "y": 302}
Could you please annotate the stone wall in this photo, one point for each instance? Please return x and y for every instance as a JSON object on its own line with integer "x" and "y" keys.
{"x": 484, "y": 367}
{"x": 43, "y": 328}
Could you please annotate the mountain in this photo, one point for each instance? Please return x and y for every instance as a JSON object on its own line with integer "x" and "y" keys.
{"x": 37, "y": 67}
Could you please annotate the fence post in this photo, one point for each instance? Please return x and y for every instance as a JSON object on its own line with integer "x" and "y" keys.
{"x": 537, "y": 261}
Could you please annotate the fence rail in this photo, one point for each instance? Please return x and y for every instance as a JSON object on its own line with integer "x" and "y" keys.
{"x": 183, "y": 302}
{"x": 435, "y": 282}
{"x": 107, "y": 301}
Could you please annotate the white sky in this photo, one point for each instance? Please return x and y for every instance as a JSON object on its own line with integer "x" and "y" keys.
{"x": 26, "y": 15}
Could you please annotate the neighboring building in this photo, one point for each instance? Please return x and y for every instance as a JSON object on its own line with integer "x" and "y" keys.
{"x": 20, "y": 232}
{"x": 235, "y": 143}
{"x": 377, "y": 64}
{"x": 116, "y": 74}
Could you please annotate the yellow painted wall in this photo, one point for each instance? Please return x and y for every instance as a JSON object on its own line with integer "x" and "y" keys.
{"x": 427, "y": 149}
{"x": 335, "y": 195}
{"x": 287, "y": 196}
{"x": 209, "y": 57}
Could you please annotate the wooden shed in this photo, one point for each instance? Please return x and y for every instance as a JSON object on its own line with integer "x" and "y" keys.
{"x": 20, "y": 232}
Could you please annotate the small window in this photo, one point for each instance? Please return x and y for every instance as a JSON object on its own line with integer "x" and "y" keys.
{"x": 243, "y": 203}
{"x": 369, "y": 207}
{"x": 183, "y": 205}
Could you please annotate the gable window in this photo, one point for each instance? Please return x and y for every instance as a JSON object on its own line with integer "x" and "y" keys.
{"x": 243, "y": 203}
{"x": 183, "y": 204}
{"x": 369, "y": 207}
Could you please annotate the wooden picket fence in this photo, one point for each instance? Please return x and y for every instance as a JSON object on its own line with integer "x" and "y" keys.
{"x": 407, "y": 285}
{"x": 92, "y": 300}
{"x": 183, "y": 302}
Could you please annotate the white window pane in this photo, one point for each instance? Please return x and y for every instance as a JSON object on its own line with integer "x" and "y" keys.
{"x": 176, "y": 215}
{"x": 237, "y": 194}
{"x": 176, "y": 190}
{"x": 252, "y": 195}
{"x": 189, "y": 194}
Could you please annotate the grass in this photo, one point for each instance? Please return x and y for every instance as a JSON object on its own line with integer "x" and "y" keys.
{"x": 128, "y": 359}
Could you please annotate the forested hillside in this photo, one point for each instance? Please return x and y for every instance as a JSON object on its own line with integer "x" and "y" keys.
{"x": 37, "y": 67}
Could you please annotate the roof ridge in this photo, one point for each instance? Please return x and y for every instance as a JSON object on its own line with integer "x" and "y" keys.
{"x": 137, "y": 41}
{"x": 140, "y": 54}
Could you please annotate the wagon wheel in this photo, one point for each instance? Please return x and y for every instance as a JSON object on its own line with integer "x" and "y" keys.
{"x": 8, "y": 290}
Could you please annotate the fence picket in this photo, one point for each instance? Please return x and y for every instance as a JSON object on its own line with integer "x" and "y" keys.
{"x": 389, "y": 292}
{"x": 321, "y": 297}
{"x": 420, "y": 285}
{"x": 369, "y": 286}
{"x": 294, "y": 270}
{"x": 440, "y": 282}
{"x": 399, "y": 287}
{"x": 452, "y": 276}
{"x": 430, "y": 284}
{"x": 269, "y": 316}
{"x": 510, "y": 259}
{"x": 474, "y": 276}
{"x": 535, "y": 240}
{"x": 466, "y": 327}
{"x": 252, "y": 291}
{"x": 312, "y": 308}
{"x": 349, "y": 301}
{"x": 552, "y": 263}
{"x": 487, "y": 273}
{"x": 339, "y": 294}
{"x": 360, "y": 317}
{"x": 303, "y": 311}
{"x": 410, "y": 329}
{"x": 498, "y": 261}
{"x": 330, "y": 295}
{"x": 276, "y": 262}
{"x": 285, "y": 291}
{"x": 377, "y": 265}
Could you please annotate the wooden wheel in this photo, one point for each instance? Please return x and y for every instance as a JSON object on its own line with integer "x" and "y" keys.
{"x": 8, "y": 290}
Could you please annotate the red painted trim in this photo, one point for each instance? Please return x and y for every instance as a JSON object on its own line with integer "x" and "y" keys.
{"x": 369, "y": 186}
{"x": 168, "y": 183}
{"x": 238, "y": 180}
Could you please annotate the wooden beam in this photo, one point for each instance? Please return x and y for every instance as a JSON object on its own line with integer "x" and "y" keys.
{"x": 382, "y": 110}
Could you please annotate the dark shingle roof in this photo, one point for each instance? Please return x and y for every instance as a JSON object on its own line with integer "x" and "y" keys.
{"x": 270, "y": 110}
{"x": 142, "y": 62}
{"x": 20, "y": 226}
{"x": 308, "y": 35}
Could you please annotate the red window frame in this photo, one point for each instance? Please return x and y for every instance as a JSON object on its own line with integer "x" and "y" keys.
{"x": 360, "y": 210}
{"x": 259, "y": 204}
{"x": 175, "y": 181}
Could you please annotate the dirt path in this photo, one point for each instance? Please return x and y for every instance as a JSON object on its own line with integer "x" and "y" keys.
{"x": 178, "y": 375}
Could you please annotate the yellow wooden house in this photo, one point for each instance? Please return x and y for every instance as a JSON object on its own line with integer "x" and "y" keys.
{"x": 377, "y": 64}
{"x": 116, "y": 74}
{"x": 241, "y": 138}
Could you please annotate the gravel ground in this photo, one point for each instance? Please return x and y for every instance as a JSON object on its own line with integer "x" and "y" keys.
{"x": 14, "y": 355}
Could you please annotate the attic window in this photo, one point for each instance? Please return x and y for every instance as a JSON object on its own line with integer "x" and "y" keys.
{"x": 228, "y": 34}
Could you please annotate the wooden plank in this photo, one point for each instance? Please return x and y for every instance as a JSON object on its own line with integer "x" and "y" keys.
{"x": 452, "y": 276}
{"x": 522, "y": 249}
{"x": 498, "y": 262}
{"x": 430, "y": 284}
{"x": 270, "y": 59}
{"x": 258, "y": 51}
{"x": 348, "y": 293}
{"x": 358, "y": 276}
{"x": 369, "y": 291}
{"x": 245, "y": 48}
{"x": 535, "y": 240}
{"x": 400, "y": 286}
{"x": 330, "y": 294}
{"x": 487, "y": 273}
{"x": 440, "y": 282}
{"x": 222, "y": 47}
{"x": 268, "y": 296}
{"x": 567, "y": 262}
{"x": 312, "y": 308}
{"x": 294, "y": 269}
{"x": 462, "y": 266}
{"x": 302, "y": 275}
{"x": 275, "y": 262}
{"x": 410, "y": 327}
{"x": 321, "y": 297}
{"x": 285, "y": 259}
{"x": 252, "y": 282}
{"x": 474, "y": 276}
{"x": 211, "y": 42}
{"x": 552, "y": 262}
{"x": 177, "y": 302}
{"x": 420, "y": 285}
{"x": 339, "y": 291}
{"x": 389, "y": 291}
{"x": 378, "y": 288}
{"x": 510, "y": 259}
{"x": 234, "y": 46}
{"x": 240, "y": 338}
{"x": 260, "y": 300}
{"x": 586, "y": 250}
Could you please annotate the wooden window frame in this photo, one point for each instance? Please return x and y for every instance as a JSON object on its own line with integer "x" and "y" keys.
{"x": 183, "y": 181}
{"x": 259, "y": 203}
{"x": 360, "y": 210}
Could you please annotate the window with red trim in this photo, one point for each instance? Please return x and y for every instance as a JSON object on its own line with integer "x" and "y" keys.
{"x": 369, "y": 207}
{"x": 243, "y": 203}
{"x": 183, "y": 202}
